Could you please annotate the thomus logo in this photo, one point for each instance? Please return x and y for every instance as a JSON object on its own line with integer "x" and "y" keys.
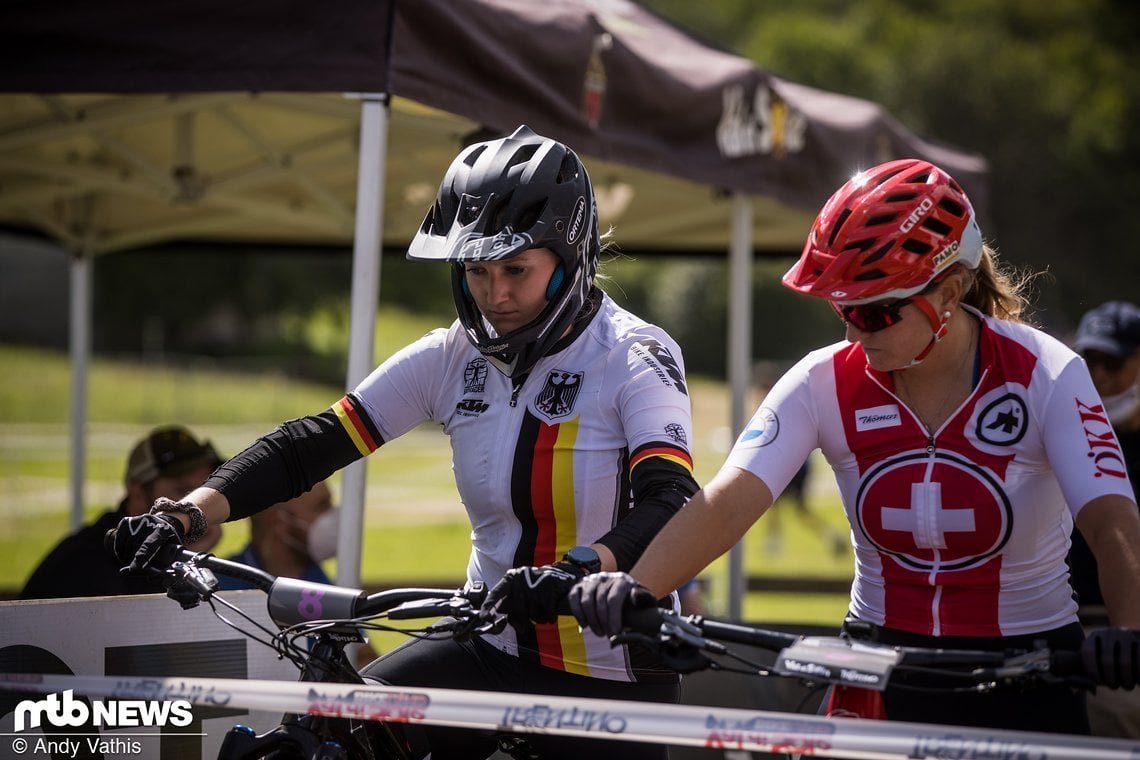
{"x": 65, "y": 711}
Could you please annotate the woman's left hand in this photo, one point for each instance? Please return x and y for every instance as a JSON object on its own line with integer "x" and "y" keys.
{"x": 1112, "y": 657}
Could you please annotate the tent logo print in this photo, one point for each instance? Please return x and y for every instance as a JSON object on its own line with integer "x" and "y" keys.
{"x": 766, "y": 126}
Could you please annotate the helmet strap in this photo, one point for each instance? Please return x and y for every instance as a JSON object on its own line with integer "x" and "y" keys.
{"x": 940, "y": 323}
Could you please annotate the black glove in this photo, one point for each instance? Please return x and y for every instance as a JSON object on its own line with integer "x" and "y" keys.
{"x": 599, "y": 600}
{"x": 1112, "y": 657}
{"x": 533, "y": 593}
{"x": 138, "y": 540}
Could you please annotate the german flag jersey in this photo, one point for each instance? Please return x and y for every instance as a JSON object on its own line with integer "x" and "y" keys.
{"x": 545, "y": 464}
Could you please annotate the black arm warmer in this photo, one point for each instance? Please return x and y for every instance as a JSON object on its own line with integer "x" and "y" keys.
{"x": 660, "y": 488}
{"x": 284, "y": 463}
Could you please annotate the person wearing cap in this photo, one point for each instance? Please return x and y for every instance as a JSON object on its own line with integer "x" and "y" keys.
{"x": 169, "y": 462}
{"x": 1108, "y": 337}
{"x": 291, "y": 539}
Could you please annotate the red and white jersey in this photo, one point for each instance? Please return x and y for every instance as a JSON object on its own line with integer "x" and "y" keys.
{"x": 545, "y": 466}
{"x": 962, "y": 532}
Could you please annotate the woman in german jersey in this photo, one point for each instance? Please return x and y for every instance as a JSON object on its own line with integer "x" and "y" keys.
{"x": 569, "y": 422}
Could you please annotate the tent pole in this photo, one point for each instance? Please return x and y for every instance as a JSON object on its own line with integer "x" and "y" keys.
{"x": 79, "y": 338}
{"x": 739, "y": 361}
{"x": 366, "y": 256}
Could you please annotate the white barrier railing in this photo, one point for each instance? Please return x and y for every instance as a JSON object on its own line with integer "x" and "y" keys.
{"x": 715, "y": 727}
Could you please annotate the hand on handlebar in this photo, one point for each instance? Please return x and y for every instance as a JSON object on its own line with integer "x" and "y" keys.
{"x": 532, "y": 593}
{"x": 1112, "y": 657}
{"x": 138, "y": 540}
{"x": 599, "y": 600}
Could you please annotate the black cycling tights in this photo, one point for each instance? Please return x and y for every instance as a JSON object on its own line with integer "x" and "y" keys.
{"x": 1054, "y": 708}
{"x": 475, "y": 664}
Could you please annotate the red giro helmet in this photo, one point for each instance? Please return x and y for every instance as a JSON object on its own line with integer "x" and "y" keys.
{"x": 887, "y": 233}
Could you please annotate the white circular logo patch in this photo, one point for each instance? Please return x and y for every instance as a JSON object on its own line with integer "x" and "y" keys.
{"x": 762, "y": 429}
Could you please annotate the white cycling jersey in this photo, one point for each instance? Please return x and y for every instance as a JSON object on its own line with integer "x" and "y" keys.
{"x": 544, "y": 466}
{"x": 965, "y": 531}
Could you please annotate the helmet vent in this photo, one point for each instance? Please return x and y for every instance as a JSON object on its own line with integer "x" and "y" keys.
{"x": 902, "y": 197}
{"x": 882, "y": 179}
{"x": 499, "y": 215}
{"x": 530, "y": 216}
{"x": 568, "y": 172}
{"x": 473, "y": 155}
{"x": 434, "y": 219}
{"x": 843, "y": 216}
{"x": 878, "y": 254}
{"x": 470, "y": 207}
{"x": 870, "y": 274}
{"x": 875, "y": 221}
{"x": 522, "y": 155}
{"x": 913, "y": 246}
{"x": 946, "y": 204}
{"x": 937, "y": 226}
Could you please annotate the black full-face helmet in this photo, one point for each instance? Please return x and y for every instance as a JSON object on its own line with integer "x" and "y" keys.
{"x": 498, "y": 199}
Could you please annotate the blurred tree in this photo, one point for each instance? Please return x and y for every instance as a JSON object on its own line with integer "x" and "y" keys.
{"x": 1048, "y": 92}
{"x": 250, "y": 305}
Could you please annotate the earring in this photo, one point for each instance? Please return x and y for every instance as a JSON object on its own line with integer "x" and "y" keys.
{"x": 946, "y": 316}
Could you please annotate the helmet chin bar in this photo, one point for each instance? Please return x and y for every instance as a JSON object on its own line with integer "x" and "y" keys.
{"x": 939, "y": 323}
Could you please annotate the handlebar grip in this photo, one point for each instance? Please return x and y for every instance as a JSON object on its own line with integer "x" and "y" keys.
{"x": 643, "y": 619}
{"x": 1067, "y": 663}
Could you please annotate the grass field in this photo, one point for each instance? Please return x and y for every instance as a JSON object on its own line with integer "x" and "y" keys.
{"x": 414, "y": 527}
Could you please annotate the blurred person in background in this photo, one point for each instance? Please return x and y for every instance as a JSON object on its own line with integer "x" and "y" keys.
{"x": 168, "y": 463}
{"x": 291, "y": 539}
{"x": 797, "y": 493}
{"x": 1108, "y": 338}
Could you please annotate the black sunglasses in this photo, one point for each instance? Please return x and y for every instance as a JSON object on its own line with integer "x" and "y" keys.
{"x": 872, "y": 317}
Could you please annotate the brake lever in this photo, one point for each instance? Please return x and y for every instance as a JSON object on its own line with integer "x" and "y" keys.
{"x": 678, "y": 644}
{"x": 470, "y": 627}
{"x": 188, "y": 584}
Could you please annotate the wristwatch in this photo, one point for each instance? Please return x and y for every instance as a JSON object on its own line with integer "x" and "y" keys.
{"x": 584, "y": 558}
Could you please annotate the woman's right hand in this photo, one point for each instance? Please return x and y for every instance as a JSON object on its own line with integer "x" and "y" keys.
{"x": 599, "y": 600}
{"x": 136, "y": 541}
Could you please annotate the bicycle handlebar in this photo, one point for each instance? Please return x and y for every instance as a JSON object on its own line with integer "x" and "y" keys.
{"x": 686, "y": 643}
{"x": 190, "y": 577}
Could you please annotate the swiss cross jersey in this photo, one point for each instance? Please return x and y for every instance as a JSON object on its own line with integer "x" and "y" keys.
{"x": 962, "y": 532}
{"x": 544, "y": 466}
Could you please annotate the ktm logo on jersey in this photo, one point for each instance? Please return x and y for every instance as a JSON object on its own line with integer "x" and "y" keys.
{"x": 657, "y": 356}
{"x": 470, "y": 407}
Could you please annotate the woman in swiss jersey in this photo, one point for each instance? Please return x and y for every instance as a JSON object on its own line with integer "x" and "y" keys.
{"x": 965, "y": 444}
